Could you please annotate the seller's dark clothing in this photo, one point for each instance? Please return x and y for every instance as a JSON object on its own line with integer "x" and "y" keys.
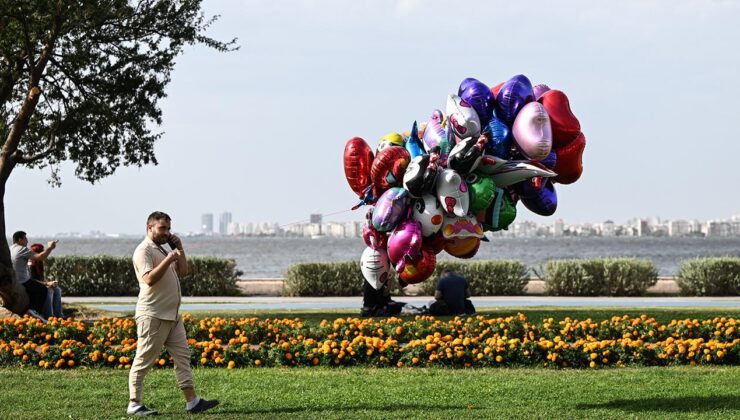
{"x": 453, "y": 289}
{"x": 376, "y": 303}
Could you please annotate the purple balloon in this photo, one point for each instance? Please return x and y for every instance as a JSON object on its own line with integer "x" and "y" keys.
{"x": 540, "y": 90}
{"x": 514, "y": 94}
{"x": 390, "y": 209}
{"x": 532, "y": 131}
{"x": 434, "y": 134}
{"x": 542, "y": 200}
{"x": 550, "y": 160}
{"x": 404, "y": 244}
{"x": 479, "y": 96}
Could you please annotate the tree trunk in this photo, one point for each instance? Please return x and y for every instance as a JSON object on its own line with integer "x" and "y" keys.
{"x": 13, "y": 294}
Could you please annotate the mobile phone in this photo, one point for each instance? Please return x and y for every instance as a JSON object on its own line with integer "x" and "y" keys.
{"x": 170, "y": 243}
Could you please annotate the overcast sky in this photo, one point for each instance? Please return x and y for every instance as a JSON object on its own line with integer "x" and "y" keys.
{"x": 260, "y": 132}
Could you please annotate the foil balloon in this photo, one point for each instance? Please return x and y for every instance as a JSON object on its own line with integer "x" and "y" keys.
{"x": 436, "y": 243}
{"x": 421, "y": 175}
{"x": 404, "y": 244}
{"x": 569, "y": 165}
{"x": 358, "y": 159}
{"x": 512, "y": 97}
{"x": 390, "y": 139}
{"x": 466, "y": 155}
{"x": 482, "y": 189}
{"x": 372, "y": 237}
{"x": 513, "y": 172}
{"x": 500, "y": 214}
{"x": 434, "y": 134}
{"x": 375, "y": 267}
{"x": 463, "y": 247}
{"x": 539, "y": 199}
{"x": 461, "y": 227}
{"x": 479, "y": 97}
{"x": 429, "y": 213}
{"x": 550, "y": 160}
{"x": 540, "y": 90}
{"x": 390, "y": 209}
{"x": 499, "y": 138}
{"x": 490, "y": 164}
{"x": 565, "y": 125}
{"x": 452, "y": 192}
{"x": 420, "y": 269}
{"x": 532, "y": 131}
{"x": 414, "y": 145}
{"x": 388, "y": 168}
{"x": 462, "y": 118}
{"x": 437, "y": 116}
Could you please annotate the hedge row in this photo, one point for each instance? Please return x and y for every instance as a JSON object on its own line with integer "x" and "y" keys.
{"x": 600, "y": 277}
{"x": 105, "y": 275}
{"x": 710, "y": 277}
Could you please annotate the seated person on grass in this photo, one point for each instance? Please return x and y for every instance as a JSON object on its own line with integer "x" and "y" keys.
{"x": 452, "y": 296}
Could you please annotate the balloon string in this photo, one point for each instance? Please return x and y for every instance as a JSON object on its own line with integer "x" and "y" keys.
{"x": 322, "y": 215}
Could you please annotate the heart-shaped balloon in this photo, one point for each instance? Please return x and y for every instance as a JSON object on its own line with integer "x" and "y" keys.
{"x": 404, "y": 244}
{"x": 358, "y": 159}
{"x": 542, "y": 200}
{"x": 390, "y": 209}
{"x": 479, "y": 96}
{"x": 512, "y": 97}
{"x": 499, "y": 138}
{"x": 388, "y": 168}
{"x": 565, "y": 125}
{"x": 539, "y": 90}
{"x": 532, "y": 131}
{"x": 420, "y": 269}
{"x": 495, "y": 90}
{"x": 569, "y": 165}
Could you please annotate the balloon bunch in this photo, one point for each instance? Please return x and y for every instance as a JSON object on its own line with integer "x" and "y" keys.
{"x": 441, "y": 185}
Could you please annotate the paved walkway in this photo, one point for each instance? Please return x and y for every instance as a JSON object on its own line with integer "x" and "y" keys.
{"x": 292, "y": 303}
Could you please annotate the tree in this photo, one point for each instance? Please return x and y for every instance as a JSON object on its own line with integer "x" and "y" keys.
{"x": 81, "y": 80}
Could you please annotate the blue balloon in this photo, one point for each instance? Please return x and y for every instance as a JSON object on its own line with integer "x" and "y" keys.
{"x": 413, "y": 143}
{"x": 514, "y": 94}
{"x": 550, "y": 160}
{"x": 479, "y": 96}
{"x": 500, "y": 138}
{"x": 542, "y": 201}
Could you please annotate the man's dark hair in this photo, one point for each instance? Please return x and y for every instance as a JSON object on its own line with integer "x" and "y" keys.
{"x": 18, "y": 236}
{"x": 157, "y": 216}
{"x": 446, "y": 272}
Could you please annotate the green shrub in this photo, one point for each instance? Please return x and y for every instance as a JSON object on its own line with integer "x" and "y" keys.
{"x": 485, "y": 278}
{"x": 600, "y": 277}
{"x": 105, "y": 275}
{"x": 710, "y": 277}
{"x": 323, "y": 279}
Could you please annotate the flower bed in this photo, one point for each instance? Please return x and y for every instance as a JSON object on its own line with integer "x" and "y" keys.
{"x": 423, "y": 341}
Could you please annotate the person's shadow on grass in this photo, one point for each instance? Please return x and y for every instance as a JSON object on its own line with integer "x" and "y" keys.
{"x": 683, "y": 404}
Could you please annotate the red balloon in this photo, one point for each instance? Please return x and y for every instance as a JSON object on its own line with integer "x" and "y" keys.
{"x": 435, "y": 242}
{"x": 565, "y": 125}
{"x": 388, "y": 168}
{"x": 569, "y": 164}
{"x": 495, "y": 89}
{"x": 420, "y": 270}
{"x": 358, "y": 159}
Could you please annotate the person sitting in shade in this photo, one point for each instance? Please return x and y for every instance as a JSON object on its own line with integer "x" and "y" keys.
{"x": 452, "y": 295}
{"x": 20, "y": 256}
{"x": 53, "y": 306}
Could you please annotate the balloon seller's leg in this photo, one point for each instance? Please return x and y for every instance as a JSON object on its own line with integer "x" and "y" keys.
{"x": 177, "y": 347}
{"x": 148, "y": 346}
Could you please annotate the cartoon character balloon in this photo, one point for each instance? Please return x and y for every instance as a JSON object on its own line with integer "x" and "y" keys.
{"x": 462, "y": 117}
{"x": 390, "y": 209}
{"x": 375, "y": 267}
{"x": 429, "y": 213}
{"x": 452, "y": 192}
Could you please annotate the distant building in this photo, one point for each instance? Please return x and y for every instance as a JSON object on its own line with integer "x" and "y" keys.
{"x": 558, "y": 227}
{"x": 223, "y": 222}
{"x": 679, "y": 228}
{"x": 206, "y": 223}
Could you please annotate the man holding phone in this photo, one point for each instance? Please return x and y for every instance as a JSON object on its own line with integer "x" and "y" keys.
{"x": 158, "y": 322}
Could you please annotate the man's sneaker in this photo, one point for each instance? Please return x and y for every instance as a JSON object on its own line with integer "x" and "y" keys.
{"x": 203, "y": 405}
{"x": 142, "y": 411}
{"x": 34, "y": 314}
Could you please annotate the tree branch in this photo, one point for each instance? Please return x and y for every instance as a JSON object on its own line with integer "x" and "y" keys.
{"x": 53, "y": 145}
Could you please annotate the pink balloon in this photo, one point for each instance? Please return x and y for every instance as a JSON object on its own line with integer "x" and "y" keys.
{"x": 532, "y": 131}
{"x": 540, "y": 90}
{"x": 404, "y": 244}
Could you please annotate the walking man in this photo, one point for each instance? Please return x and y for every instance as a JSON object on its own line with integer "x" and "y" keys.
{"x": 157, "y": 320}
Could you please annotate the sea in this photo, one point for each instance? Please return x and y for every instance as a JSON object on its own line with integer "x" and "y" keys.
{"x": 270, "y": 257}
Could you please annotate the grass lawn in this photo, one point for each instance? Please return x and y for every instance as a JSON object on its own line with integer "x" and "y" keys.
{"x": 668, "y": 392}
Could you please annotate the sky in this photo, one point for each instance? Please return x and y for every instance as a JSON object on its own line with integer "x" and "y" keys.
{"x": 260, "y": 132}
